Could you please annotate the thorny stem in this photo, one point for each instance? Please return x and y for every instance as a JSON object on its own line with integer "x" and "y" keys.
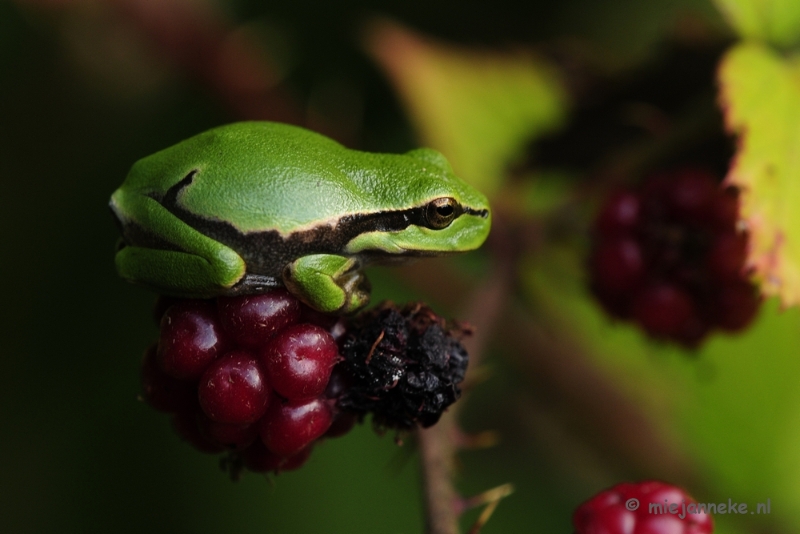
{"x": 437, "y": 444}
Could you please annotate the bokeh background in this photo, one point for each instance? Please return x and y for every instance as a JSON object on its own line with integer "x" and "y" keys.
{"x": 578, "y": 402}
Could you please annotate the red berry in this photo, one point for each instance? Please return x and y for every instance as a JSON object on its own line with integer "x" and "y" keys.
{"x": 619, "y": 214}
{"x": 692, "y": 193}
{"x": 737, "y": 304}
{"x": 259, "y": 459}
{"x": 230, "y": 435}
{"x": 289, "y": 427}
{"x": 726, "y": 257}
{"x": 234, "y": 390}
{"x": 299, "y": 361}
{"x": 725, "y": 210}
{"x": 338, "y": 382}
{"x": 190, "y": 339}
{"x": 618, "y": 265}
{"x": 642, "y": 508}
{"x": 693, "y": 331}
{"x": 343, "y": 422}
{"x": 251, "y": 320}
{"x": 296, "y": 460}
{"x": 161, "y": 391}
{"x": 186, "y": 425}
{"x": 663, "y": 309}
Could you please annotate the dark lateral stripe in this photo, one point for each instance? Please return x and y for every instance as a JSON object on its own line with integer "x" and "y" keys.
{"x": 268, "y": 252}
{"x": 170, "y": 198}
{"x": 478, "y": 213}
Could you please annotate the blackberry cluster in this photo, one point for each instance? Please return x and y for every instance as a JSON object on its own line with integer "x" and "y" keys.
{"x": 670, "y": 257}
{"x": 626, "y": 509}
{"x": 261, "y": 376}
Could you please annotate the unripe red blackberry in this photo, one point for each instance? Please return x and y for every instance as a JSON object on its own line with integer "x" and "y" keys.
{"x": 663, "y": 309}
{"x": 187, "y": 425}
{"x": 190, "y": 339}
{"x": 260, "y": 459}
{"x": 234, "y": 389}
{"x": 229, "y": 435}
{"x": 251, "y": 320}
{"x": 618, "y": 264}
{"x": 291, "y": 426}
{"x": 161, "y": 391}
{"x": 649, "y": 507}
{"x": 299, "y": 361}
{"x": 620, "y": 213}
{"x": 670, "y": 257}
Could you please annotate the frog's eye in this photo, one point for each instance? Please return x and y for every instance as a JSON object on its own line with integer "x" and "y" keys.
{"x": 441, "y": 212}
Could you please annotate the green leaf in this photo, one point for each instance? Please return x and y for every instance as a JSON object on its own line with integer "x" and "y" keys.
{"x": 776, "y": 21}
{"x": 478, "y": 108}
{"x": 760, "y": 96}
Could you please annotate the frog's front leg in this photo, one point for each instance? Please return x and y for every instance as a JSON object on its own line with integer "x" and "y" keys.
{"x": 328, "y": 283}
{"x": 197, "y": 267}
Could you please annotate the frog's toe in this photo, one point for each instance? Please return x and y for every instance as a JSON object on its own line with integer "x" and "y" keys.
{"x": 357, "y": 291}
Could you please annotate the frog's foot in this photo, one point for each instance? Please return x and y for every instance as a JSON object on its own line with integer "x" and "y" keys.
{"x": 251, "y": 284}
{"x": 328, "y": 283}
{"x": 181, "y": 274}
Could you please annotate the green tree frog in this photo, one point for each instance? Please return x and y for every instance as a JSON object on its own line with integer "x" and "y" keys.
{"x": 251, "y": 206}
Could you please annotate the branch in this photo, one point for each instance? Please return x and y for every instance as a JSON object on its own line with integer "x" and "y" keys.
{"x": 437, "y": 455}
{"x": 437, "y": 444}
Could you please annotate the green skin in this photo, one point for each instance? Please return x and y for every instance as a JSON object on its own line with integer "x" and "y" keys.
{"x": 251, "y": 206}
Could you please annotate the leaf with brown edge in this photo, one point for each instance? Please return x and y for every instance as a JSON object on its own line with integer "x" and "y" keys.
{"x": 479, "y": 109}
{"x": 760, "y": 97}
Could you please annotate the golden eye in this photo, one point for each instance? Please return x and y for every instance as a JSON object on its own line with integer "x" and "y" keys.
{"x": 441, "y": 212}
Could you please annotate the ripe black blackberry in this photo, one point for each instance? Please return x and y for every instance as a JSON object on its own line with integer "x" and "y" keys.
{"x": 405, "y": 366}
{"x": 261, "y": 376}
{"x": 670, "y": 257}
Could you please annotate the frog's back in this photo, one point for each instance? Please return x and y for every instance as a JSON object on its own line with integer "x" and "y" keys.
{"x": 256, "y": 176}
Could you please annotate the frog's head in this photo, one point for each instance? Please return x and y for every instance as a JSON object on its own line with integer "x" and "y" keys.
{"x": 435, "y": 211}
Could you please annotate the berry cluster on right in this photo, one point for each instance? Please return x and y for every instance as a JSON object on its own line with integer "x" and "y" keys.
{"x": 649, "y": 507}
{"x": 670, "y": 256}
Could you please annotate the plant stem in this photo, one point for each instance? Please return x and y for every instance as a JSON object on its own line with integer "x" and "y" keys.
{"x": 437, "y": 444}
{"x": 437, "y": 454}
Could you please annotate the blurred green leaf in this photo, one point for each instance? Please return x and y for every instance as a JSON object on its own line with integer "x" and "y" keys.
{"x": 776, "y": 21}
{"x": 479, "y": 109}
{"x": 760, "y": 94}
